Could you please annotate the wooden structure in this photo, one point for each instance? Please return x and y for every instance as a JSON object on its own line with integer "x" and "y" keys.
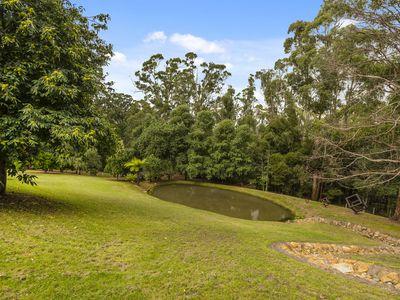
{"x": 356, "y": 203}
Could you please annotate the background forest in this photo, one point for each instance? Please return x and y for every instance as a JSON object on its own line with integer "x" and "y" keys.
{"x": 328, "y": 123}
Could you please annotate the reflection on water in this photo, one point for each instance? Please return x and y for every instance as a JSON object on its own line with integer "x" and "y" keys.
{"x": 255, "y": 214}
{"x": 229, "y": 203}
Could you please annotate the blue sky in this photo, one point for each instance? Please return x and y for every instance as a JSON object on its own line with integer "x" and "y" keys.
{"x": 245, "y": 35}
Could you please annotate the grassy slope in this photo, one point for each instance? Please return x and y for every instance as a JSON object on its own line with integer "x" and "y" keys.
{"x": 97, "y": 238}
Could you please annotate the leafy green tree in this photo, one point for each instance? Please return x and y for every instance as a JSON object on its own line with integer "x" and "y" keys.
{"x": 154, "y": 168}
{"x": 248, "y": 101}
{"x": 209, "y": 86}
{"x": 45, "y": 161}
{"x": 116, "y": 163}
{"x": 169, "y": 87}
{"x": 92, "y": 161}
{"x": 51, "y": 59}
{"x": 200, "y": 142}
{"x": 181, "y": 121}
{"x": 140, "y": 116}
{"x": 115, "y": 107}
{"x": 227, "y": 106}
{"x": 222, "y": 166}
{"x": 180, "y": 82}
{"x": 273, "y": 88}
{"x": 316, "y": 85}
{"x": 155, "y": 140}
{"x": 243, "y": 154}
{"x": 135, "y": 167}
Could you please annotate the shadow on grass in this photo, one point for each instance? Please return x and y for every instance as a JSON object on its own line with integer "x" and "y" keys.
{"x": 32, "y": 204}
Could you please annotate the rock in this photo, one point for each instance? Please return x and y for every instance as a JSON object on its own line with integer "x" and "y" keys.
{"x": 333, "y": 260}
{"x": 349, "y": 261}
{"x": 397, "y": 286}
{"x": 343, "y": 267}
{"x": 361, "y": 267}
{"x": 284, "y": 247}
{"x": 347, "y": 249}
{"x": 375, "y": 270}
{"x": 392, "y": 277}
{"x": 355, "y": 249}
{"x": 350, "y": 249}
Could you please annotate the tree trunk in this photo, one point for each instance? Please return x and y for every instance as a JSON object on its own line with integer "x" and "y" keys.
{"x": 397, "y": 210}
{"x": 138, "y": 177}
{"x": 315, "y": 188}
{"x": 3, "y": 175}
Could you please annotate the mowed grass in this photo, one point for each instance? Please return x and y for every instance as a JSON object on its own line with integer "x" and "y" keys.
{"x": 80, "y": 237}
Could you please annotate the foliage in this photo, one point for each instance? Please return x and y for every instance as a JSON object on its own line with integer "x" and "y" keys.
{"x": 154, "y": 168}
{"x": 115, "y": 164}
{"x": 135, "y": 167}
{"x": 92, "y": 161}
{"x": 51, "y": 59}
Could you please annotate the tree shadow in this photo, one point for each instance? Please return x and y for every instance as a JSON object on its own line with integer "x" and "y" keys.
{"x": 33, "y": 204}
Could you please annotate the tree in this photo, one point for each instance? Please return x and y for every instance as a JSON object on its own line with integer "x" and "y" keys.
{"x": 45, "y": 161}
{"x": 248, "y": 101}
{"x": 180, "y": 82}
{"x": 92, "y": 161}
{"x": 273, "y": 88}
{"x": 243, "y": 154}
{"x": 78, "y": 164}
{"x": 115, "y": 107}
{"x": 51, "y": 59}
{"x": 361, "y": 142}
{"x": 116, "y": 163}
{"x": 181, "y": 120}
{"x": 154, "y": 168}
{"x": 227, "y": 106}
{"x": 135, "y": 167}
{"x": 200, "y": 142}
{"x": 222, "y": 166}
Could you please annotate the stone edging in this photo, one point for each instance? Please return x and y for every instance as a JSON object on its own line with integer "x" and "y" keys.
{"x": 327, "y": 257}
{"x": 362, "y": 230}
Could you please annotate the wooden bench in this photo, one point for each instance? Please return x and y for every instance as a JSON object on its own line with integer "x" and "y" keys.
{"x": 356, "y": 203}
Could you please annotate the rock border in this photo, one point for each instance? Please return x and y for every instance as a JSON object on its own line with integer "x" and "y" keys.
{"x": 327, "y": 257}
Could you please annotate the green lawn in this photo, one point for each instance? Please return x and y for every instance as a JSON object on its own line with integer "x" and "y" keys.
{"x": 80, "y": 237}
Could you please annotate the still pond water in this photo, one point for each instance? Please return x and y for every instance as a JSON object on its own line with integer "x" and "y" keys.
{"x": 229, "y": 203}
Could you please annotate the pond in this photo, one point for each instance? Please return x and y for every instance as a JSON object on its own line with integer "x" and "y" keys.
{"x": 229, "y": 203}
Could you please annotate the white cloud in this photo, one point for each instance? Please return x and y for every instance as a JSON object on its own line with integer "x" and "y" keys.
{"x": 156, "y": 36}
{"x": 118, "y": 58}
{"x": 196, "y": 44}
